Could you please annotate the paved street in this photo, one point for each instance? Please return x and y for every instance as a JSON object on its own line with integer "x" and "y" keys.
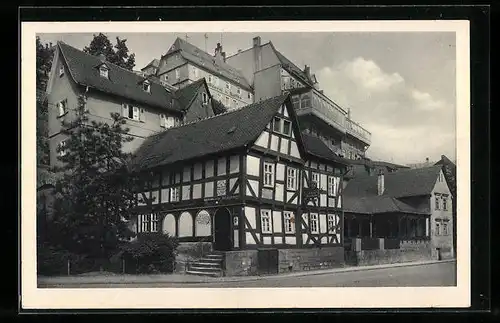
{"x": 436, "y": 274}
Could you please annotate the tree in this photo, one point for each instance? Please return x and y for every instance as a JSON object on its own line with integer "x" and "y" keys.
{"x": 95, "y": 196}
{"x": 118, "y": 54}
{"x": 44, "y": 55}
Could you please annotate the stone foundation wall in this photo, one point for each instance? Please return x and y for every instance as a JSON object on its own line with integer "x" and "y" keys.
{"x": 409, "y": 251}
{"x": 309, "y": 259}
{"x": 241, "y": 263}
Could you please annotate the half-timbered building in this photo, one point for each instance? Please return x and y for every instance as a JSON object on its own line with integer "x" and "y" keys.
{"x": 243, "y": 181}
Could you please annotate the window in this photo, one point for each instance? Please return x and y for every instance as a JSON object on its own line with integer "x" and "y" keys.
{"x": 103, "y": 71}
{"x": 314, "y": 223}
{"x": 210, "y": 79}
{"x": 315, "y": 179}
{"x": 445, "y": 229}
{"x": 265, "y": 221}
{"x": 234, "y": 103}
{"x": 331, "y": 186}
{"x": 62, "y": 107}
{"x": 228, "y": 86}
{"x": 61, "y": 70}
{"x": 177, "y": 74}
{"x": 174, "y": 194}
{"x": 287, "y": 127}
{"x": 289, "y": 222}
{"x": 249, "y": 95}
{"x": 331, "y": 222}
{"x": 144, "y": 221}
{"x": 146, "y": 86}
{"x": 445, "y": 201}
{"x": 437, "y": 202}
{"x": 227, "y": 100}
{"x": 438, "y": 228}
{"x": 204, "y": 97}
{"x": 62, "y": 151}
{"x": 131, "y": 112}
{"x": 216, "y": 81}
{"x": 238, "y": 90}
{"x": 268, "y": 174}
{"x": 277, "y": 124}
{"x": 168, "y": 122}
{"x": 291, "y": 178}
{"x": 166, "y": 77}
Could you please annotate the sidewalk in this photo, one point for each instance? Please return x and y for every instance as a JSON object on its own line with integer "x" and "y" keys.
{"x": 193, "y": 279}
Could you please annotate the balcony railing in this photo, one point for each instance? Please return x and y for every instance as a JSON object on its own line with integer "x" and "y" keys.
{"x": 313, "y": 103}
{"x": 359, "y": 132}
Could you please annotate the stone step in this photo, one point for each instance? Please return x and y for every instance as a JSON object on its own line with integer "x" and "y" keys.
{"x": 203, "y": 273}
{"x": 194, "y": 267}
{"x": 206, "y": 264}
{"x": 211, "y": 260}
{"x": 214, "y": 256}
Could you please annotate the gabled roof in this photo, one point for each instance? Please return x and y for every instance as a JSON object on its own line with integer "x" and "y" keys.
{"x": 121, "y": 82}
{"x": 201, "y": 58}
{"x": 155, "y": 63}
{"x": 403, "y": 183}
{"x": 291, "y": 67}
{"x": 316, "y": 147}
{"x": 186, "y": 94}
{"x": 224, "y": 132}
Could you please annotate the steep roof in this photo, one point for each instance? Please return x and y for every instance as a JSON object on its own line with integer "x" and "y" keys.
{"x": 224, "y": 132}
{"x": 155, "y": 63}
{"x": 403, "y": 183}
{"x": 291, "y": 67}
{"x": 84, "y": 70}
{"x": 186, "y": 94}
{"x": 201, "y": 58}
{"x": 316, "y": 147}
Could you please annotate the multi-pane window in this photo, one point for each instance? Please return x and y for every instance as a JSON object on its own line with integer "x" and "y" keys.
{"x": 314, "y": 223}
{"x": 238, "y": 90}
{"x": 445, "y": 229}
{"x": 289, "y": 222}
{"x": 62, "y": 148}
{"x": 287, "y": 127}
{"x": 210, "y": 79}
{"x": 265, "y": 221}
{"x": 332, "y": 185}
{"x": 282, "y": 126}
{"x": 146, "y": 86}
{"x": 331, "y": 222}
{"x": 131, "y": 112}
{"x": 268, "y": 174}
{"x": 437, "y": 202}
{"x": 315, "y": 179}
{"x": 277, "y": 124}
{"x": 61, "y": 70}
{"x": 103, "y": 71}
{"x": 291, "y": 178}
{"x": 204, "y": 97}
{"x": 62, "y": 107}
{"x": 174, "y": 194}
{"x": 148, "y": 222}
{"x": 445, "y": 201}
{"x": 438, "y": 228}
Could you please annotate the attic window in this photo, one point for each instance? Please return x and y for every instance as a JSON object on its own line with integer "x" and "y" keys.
{"x": 204, "y": 97}
{"x": 146, "y": 86}
{"x": 61, "y": 70}
{"x": 232, "y": 129}
{"x": 104, "y": 71}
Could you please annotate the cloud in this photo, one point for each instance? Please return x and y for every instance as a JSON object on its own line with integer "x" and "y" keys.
{"x": 407, "y": 124}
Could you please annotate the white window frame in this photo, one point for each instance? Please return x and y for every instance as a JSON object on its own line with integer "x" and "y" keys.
{"x": 144, "y": 222}
{"x": 269, "y": 170}
{"x": 61, "y": 70}
{"x": 331, "y": 222}
{"x": 154, "y": 226}
{"x": 291, "y": 178}
{"x": 104, "y": 71}
{"x": 210, "y": 79}
{"x": 279, "y": 122}
{"x": 438, "y": 228}
{"x": 287, "y": 221}
{"x": 445, "y": 203}
{"x": 315, "y": 175}
{"x": 62, "y": 107}
{"x": 238, "y": 90}
{"x": 265, "y": 221}
{"x": 174, "y": 194}
{"x": 204, "y": 98}
{"x": 445, "y": 228}
{"x": 289, "y": 133}
{"x": 331, "y": 185}
{"x": 228, "y": 86}
{"x": 146, "y": 86}
{"x": 437, "y": 204}
{"x": 313, "y": 219}
{"x": 62, "y": 146}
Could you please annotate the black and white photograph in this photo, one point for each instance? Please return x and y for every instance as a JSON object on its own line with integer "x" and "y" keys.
{"x": 198, "y": 159}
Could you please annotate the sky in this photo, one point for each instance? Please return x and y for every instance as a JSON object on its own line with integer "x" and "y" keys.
{"x": 400, "y": 86}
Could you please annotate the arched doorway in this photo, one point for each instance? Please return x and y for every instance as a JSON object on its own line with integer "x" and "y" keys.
{"x": 222, "y": 234}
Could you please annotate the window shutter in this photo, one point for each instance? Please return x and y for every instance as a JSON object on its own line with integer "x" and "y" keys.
{"x": 124, "y": 110}
{"x": 142, "y": 115}
{"x": 135, "y": 113}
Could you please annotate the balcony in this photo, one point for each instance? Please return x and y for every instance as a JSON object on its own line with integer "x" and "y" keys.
{"x": 314, "y": 103}
{"x": 357, "y": 131}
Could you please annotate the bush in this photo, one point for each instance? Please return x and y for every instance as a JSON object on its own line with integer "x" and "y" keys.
{"x": 52, "y": 261}
{"x": 150, "y": 253}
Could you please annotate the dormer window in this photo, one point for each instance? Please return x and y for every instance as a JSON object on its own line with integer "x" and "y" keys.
{"x": 104, "y": 71}
{"x": 204, "y": 97}
{"x": 61, "y": 70}
{"x": 146, "y": 86}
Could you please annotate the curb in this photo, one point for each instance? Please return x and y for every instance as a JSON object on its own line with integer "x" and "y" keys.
{"x": 252, "y": 278}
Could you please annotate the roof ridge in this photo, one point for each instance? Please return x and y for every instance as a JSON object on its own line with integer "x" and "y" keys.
{"x": 106, "y": 61}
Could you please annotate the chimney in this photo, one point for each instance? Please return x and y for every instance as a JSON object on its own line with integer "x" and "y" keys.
{"x": 307, "y": 70}
{"x": 218, "y": 52}
{"x": 426, "y": 161}
{"x": 257, "y": 54}
{"x": 380, "y": 182}
{"x": 256, "y": 41}
{"x": 224, "y": 56}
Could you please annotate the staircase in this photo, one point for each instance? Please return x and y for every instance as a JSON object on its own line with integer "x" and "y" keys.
{"x": 209, "y": 265}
